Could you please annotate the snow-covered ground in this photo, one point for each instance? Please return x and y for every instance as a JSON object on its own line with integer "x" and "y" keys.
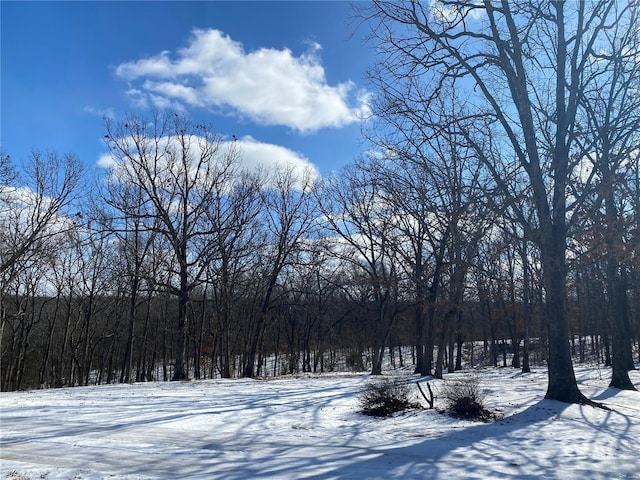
{"x": 309, "y": 427}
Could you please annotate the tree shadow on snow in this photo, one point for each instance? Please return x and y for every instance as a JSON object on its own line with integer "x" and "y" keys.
{"x": 523, "y": 446}
{"x": 533, "y": 443}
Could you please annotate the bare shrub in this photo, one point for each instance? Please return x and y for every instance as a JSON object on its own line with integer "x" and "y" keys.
{"x": 465, "y": 399}
{"x": 384, "y": 397}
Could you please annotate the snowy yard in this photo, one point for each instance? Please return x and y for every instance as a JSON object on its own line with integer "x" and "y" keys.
{"x": 309, "y": 427}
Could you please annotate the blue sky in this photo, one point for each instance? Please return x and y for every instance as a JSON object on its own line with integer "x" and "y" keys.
{"x": 274, "y": 74}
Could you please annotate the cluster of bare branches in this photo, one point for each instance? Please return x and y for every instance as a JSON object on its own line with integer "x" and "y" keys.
{"x": 544, "y": 96}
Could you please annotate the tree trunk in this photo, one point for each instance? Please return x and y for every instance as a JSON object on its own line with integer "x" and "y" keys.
{"x": 180, "y": 371}
{"x": 127, "y": 362}
{"x": 250, "y": 358}
{"x": 459, "y": 347}
{"x": 527, "y": 306}
{"x": 45, "y": 369}
{"x": 420, "y": 339}
{"x": 620, "y": 336}
{"x": 562, "y": 381}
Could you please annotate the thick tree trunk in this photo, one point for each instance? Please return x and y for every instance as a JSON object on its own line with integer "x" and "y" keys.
{"x": 562, "y": 381}
{"x": 622, "y": 360}
{"x": 620, "y": 335}
{"x": 441, "y": 351}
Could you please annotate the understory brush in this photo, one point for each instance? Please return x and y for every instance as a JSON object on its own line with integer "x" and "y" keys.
{"x": 386, "y": 396}
{"x": 465, "y": 399}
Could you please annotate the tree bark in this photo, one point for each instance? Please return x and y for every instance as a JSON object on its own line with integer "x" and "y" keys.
{"x": 562, "y": 381}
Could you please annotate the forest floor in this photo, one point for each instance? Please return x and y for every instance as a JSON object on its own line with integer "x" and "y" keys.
{"x": 310, "y": 427}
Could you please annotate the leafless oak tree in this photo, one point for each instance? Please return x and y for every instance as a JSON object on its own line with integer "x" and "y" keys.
{"x": 177, "y": 167}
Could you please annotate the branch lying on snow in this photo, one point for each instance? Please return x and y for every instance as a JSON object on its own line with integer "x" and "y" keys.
{"x": 430, "y": 399}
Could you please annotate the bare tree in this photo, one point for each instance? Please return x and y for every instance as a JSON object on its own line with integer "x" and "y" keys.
{"x": 423, "y": 237}
{"x": 611, "y": 137}
{"x": 31, "y": 211}
{"x": 521, "y": 65}
{"x": 436, "y": 189}
{"x": 119, "y": 213}
{"x": 633, "y": 193}
{"x": 34, "y": 212}
{"x": 354, "y": 207}
{"x": 95, "y": 282}
{"x": 23, "y": 301}
{"x": 288, "y": 217}
{"x": 7, "y": 171}
{"x": 233, "y": 214}
{"x": 177, "y": 167}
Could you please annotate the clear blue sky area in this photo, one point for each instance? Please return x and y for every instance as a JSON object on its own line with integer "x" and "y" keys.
{"x": 289, "y": 74}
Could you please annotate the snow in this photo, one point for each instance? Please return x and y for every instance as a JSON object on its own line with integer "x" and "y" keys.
{"x": 309, "y": 427}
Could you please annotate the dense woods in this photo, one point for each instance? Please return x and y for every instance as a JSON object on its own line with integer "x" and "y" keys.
{"x": 494, "y": 221}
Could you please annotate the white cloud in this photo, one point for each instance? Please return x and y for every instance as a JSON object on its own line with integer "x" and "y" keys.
{"x": 254, "y": 156}
{"x": 269, "y": 86}
{"x": 20, "y": 197}
{"x": 455, "y": 13}
{"x": 106, "y": 161}
{"x": 21, "y": 211}
{"x": 268, "y": 157}
{"x": 101, "y": 112}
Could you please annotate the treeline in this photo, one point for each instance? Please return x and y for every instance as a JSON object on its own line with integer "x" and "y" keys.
{"x": 181, "y": 264}
{"x": 499, "y": 201}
